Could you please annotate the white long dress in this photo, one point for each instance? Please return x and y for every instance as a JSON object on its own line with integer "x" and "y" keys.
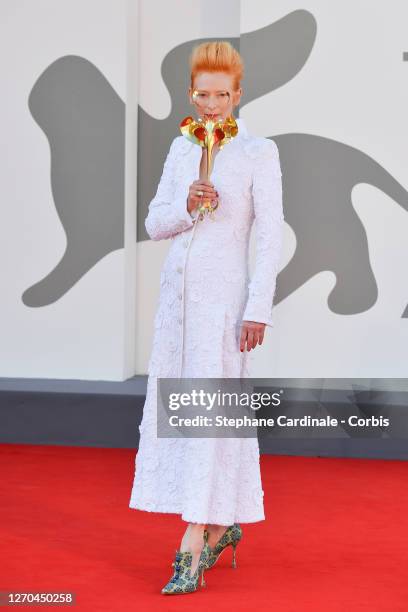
{"x": 205, "y": 294}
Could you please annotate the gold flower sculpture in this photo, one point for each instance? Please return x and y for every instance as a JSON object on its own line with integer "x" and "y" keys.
{"x": 207, "y": 133}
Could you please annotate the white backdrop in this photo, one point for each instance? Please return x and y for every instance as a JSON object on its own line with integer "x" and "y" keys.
{"x": 353, "y": 88}
{"x": 84, "y": 333}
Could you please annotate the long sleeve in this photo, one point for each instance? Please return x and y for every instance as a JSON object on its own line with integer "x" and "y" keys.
{"x": 269, "y": 222}
{"x": 167, "y": 215}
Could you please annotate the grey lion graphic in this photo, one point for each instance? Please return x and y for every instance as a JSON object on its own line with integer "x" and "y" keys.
{"x": 84, "y": 121}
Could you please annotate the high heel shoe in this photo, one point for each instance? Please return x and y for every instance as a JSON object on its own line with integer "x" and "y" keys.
{"x": 232, "y": 536}
{"x": 182, "y": 581}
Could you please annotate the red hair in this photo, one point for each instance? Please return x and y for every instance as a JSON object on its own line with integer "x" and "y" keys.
{"x": 217, "y": 56}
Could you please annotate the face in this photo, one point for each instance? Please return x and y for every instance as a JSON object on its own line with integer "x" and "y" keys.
{"x": 215, "y": 97}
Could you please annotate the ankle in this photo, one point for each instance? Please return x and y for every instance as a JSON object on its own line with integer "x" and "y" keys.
{"x": 193, "y": 539}
{"x": 217, "y": 529}
{"x": 215, "y": 533}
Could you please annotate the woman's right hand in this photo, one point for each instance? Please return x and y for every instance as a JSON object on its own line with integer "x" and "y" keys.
{"x": 194, "y": 200}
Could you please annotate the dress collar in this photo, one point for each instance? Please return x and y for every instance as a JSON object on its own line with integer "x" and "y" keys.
{"x": 242, "y": 128}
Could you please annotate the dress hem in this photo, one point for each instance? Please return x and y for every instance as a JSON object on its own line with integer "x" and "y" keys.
{"x": 207, "y": 521}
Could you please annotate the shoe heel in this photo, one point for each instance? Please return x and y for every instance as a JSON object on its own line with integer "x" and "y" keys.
{"x": 203, "y": 582}
{"x": 234, "y": 559}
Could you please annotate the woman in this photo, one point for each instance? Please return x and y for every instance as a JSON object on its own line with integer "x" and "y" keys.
{"x": 208, "y": 318}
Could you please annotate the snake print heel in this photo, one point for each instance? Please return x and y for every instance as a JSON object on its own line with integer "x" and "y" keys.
{"x": 182, "y": 581}
{"x": 231, "y": 537}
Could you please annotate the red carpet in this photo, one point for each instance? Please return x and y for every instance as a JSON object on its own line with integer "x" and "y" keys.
{"x": 335, "y": 536}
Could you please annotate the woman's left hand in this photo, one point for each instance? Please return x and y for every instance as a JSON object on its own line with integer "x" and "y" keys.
{"x": 252, "y": 333}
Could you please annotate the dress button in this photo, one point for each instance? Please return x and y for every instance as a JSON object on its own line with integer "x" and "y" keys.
{"x": 180, "y": 321}
{"x": 180, "y": 297}
{"x": 180, "y": 270}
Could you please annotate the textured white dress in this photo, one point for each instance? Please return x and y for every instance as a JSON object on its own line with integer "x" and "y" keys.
{"x": 205, "y": 294}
